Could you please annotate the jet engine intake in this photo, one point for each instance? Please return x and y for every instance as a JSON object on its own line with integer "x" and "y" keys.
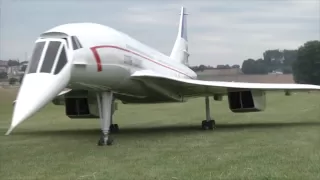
{"x": 246, "y": 100}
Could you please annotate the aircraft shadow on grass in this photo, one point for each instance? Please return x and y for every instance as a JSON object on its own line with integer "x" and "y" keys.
{"x": 168, "y": 129}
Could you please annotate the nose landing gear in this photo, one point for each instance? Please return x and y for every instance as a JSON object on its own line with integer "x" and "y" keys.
{"x": 105, "y": 101}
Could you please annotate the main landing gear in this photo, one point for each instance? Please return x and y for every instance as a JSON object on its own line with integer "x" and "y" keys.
{"x": 208, "y": 123}
{"x": 114, "y": 128}
{"x": 106, "y": 110}
{"x": 107, "y": 107}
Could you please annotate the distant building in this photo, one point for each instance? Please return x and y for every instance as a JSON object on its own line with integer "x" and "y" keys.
{"x": 3, "y": 66}
{"x": 3, "y": 69}
{"x": 13, "y": 71}
{"x": 3, "y": 63}
{"x": 276, "y": 72}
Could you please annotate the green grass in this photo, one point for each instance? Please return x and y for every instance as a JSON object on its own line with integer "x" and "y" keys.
{"x": 165, "y": 142}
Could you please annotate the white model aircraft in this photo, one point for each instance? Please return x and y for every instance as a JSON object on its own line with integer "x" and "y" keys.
{"x": 86, "y": 66}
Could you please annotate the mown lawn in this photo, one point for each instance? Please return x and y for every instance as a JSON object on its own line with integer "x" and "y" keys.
{"x": 165, "y": 142}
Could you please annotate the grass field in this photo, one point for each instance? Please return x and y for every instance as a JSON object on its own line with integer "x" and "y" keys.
{"x": 165, "y": 142}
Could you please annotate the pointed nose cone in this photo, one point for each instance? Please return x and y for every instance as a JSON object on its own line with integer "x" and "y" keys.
{"x": 47, "y": 74}
{"x": 37, "y": 90}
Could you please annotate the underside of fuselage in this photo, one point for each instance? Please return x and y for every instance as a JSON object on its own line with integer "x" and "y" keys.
{"x": 146, "y": 95}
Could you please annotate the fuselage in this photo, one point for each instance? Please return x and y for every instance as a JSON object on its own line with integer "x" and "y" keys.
{"x": 107, "y": 58}
{"x": 90, "y": 59}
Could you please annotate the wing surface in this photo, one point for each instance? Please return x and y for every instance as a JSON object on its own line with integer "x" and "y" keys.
{"x": 192, "y": 87}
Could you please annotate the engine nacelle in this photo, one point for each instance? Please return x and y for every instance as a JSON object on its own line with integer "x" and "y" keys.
{"x": 79, "y": 104}
{"x": 246, "y": 100}
{"x": 76, "y": 108}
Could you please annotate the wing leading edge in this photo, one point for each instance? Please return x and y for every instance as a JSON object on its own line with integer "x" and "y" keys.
{"x": 191, "y": 87}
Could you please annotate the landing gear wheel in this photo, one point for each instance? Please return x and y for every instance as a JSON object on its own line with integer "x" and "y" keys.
{"x": 105, "y": 140}
{"x": 211, "y": 124}
{"x": 114, "y": 128}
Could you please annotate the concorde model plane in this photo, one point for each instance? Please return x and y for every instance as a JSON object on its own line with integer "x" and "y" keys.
{"x": 87, "y": 66}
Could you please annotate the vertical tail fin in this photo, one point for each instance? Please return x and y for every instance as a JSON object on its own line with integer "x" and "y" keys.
{"x": 180, "y": 49}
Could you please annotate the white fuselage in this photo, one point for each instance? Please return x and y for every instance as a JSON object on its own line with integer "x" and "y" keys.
{"x": 93, "y": 58}
{"x": 109, "y": 57}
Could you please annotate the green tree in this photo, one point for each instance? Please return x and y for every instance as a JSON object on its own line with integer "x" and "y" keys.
{"x": 248, "y": 66}
{"x": 251, "y": 66}
{"x": 13, "y": 63}
{"x": 306, "y": 69}
{"x": 235, "y": 66}
{"x": 273, "y": 59}
{"x": 202, "y": 67}
{"x": 23, "y": 68}
{"x": 260, "y": 67}
{"x": 287, "y": 70}
{"x": 12, "y": 81}
{"x": 223, "y": 66}
{"x": 289, "y": 57}
{"x": 3, "y": 75}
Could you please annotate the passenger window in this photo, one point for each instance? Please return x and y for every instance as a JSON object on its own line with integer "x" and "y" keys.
{"x": 62, "y": 61}
{"x": 35, "y": 58}
{"x": 50, "y": 56}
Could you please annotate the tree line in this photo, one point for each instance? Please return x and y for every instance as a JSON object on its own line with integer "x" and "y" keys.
{"x": 4, "y": 74}
{"x": 303, "y": 63}
{"x": 306, "y": 69}
{"x": 204, "y": 67}
{"x": 273, "y": 60}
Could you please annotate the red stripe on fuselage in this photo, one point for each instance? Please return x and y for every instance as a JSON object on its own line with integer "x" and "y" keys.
{"x": 98, "y": 60}
{"x": 97, "y": 57}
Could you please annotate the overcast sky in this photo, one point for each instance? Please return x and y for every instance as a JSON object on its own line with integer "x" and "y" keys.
{"x": 219, "y": 31}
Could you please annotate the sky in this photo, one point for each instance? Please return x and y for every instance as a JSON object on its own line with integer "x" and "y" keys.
{"x": 219, "y": 31}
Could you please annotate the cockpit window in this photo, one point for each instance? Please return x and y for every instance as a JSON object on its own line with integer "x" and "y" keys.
{"x": 50, "y": 56}
{"x": 66, "y": 41}
{"x": 61, "y": 61}
{"x": 35, "y": 58}
{"x": 75, "y": 43}
{"x": 51, "y": 59}
{"x": 80, "y": 45}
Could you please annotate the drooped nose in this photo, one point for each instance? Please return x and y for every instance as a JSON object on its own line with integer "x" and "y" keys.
{"x": 48, "y": 73}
